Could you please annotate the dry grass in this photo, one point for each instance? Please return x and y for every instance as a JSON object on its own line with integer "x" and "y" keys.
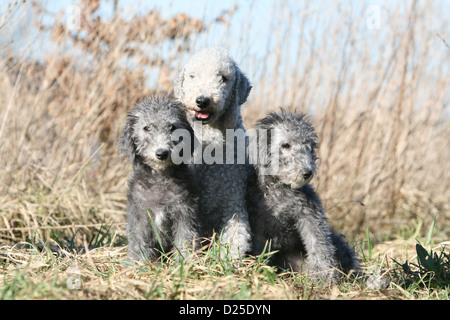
{"x": 50, "y": 271}
{"x": 378, "y": 99}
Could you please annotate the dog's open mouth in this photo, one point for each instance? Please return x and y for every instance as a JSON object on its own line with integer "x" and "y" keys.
{"x": 202, "y": 115}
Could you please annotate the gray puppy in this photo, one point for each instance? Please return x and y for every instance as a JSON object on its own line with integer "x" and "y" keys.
{"x": 161, "y": 209}
{"x": 285, "y": 210}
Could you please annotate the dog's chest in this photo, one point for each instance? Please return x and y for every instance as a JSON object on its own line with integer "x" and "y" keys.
{"x": 160, "y": 198}
{"x": 223, "y": 183}
{"x": 281, "y": 204}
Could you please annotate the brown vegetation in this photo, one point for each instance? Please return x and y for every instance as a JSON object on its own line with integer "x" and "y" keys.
{"x": 378, "y": 99}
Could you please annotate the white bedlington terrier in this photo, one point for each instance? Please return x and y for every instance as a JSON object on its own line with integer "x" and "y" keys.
{"x": 213, "y": 88}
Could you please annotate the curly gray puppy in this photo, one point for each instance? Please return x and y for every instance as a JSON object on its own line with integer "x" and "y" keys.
{"x": 161, "y": 209}
{"x": 285, "y": 210}
{"x": 213, "y": 88}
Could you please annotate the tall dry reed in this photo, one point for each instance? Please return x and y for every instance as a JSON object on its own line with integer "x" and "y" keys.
{"x": 377, "y": 98}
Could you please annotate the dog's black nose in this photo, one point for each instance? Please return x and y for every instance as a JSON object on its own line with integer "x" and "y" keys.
{"x": 162, "y": 154}
{"x": 202, "y": 102}
{"x": 307, "y": 175}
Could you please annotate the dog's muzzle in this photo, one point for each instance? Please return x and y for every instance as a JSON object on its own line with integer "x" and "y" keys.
{"x": 202, "y": 103}
{"x": 162, "y": 154}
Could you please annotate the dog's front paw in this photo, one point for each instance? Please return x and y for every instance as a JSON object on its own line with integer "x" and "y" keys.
{"x": 322, "y": 273}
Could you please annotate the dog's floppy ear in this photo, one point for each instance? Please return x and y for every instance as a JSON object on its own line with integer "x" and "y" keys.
{"x": 126, "y": 142}
{"x": 178, "y": 86}
{"x": 242, "y": 86}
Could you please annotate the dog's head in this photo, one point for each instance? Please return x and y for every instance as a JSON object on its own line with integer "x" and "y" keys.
{"x": 210, "y": 83}
{"x": 292, "y": 137}
{"x": 157, "y": 133}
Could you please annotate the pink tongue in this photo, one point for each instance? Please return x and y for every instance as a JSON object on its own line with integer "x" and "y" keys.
{"x": 202, "y": 115}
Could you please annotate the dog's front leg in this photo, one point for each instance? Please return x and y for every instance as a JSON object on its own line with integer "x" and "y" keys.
{"x": 320, "y": 261}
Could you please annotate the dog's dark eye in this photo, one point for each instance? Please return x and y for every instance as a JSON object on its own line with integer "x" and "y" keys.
{"x": 146, "y": 128}
{"x": 286, "y": 145}
{"x": 223, "y": 79}
{"x": 191, "y": 76}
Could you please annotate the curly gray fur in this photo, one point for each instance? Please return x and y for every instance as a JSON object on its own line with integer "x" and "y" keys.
{"x": 213, "y": 88}
{"x": 161, "y": 209}
{"x": 285, "y": 210}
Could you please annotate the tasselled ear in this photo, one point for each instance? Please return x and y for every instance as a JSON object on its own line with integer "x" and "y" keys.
{"x": 178, "y": 86}
{"x": 126, "y": 142}
{"x": 242, "y": 86}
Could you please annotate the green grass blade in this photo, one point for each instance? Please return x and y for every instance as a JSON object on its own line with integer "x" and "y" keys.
{"x": 431, "y": 230}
